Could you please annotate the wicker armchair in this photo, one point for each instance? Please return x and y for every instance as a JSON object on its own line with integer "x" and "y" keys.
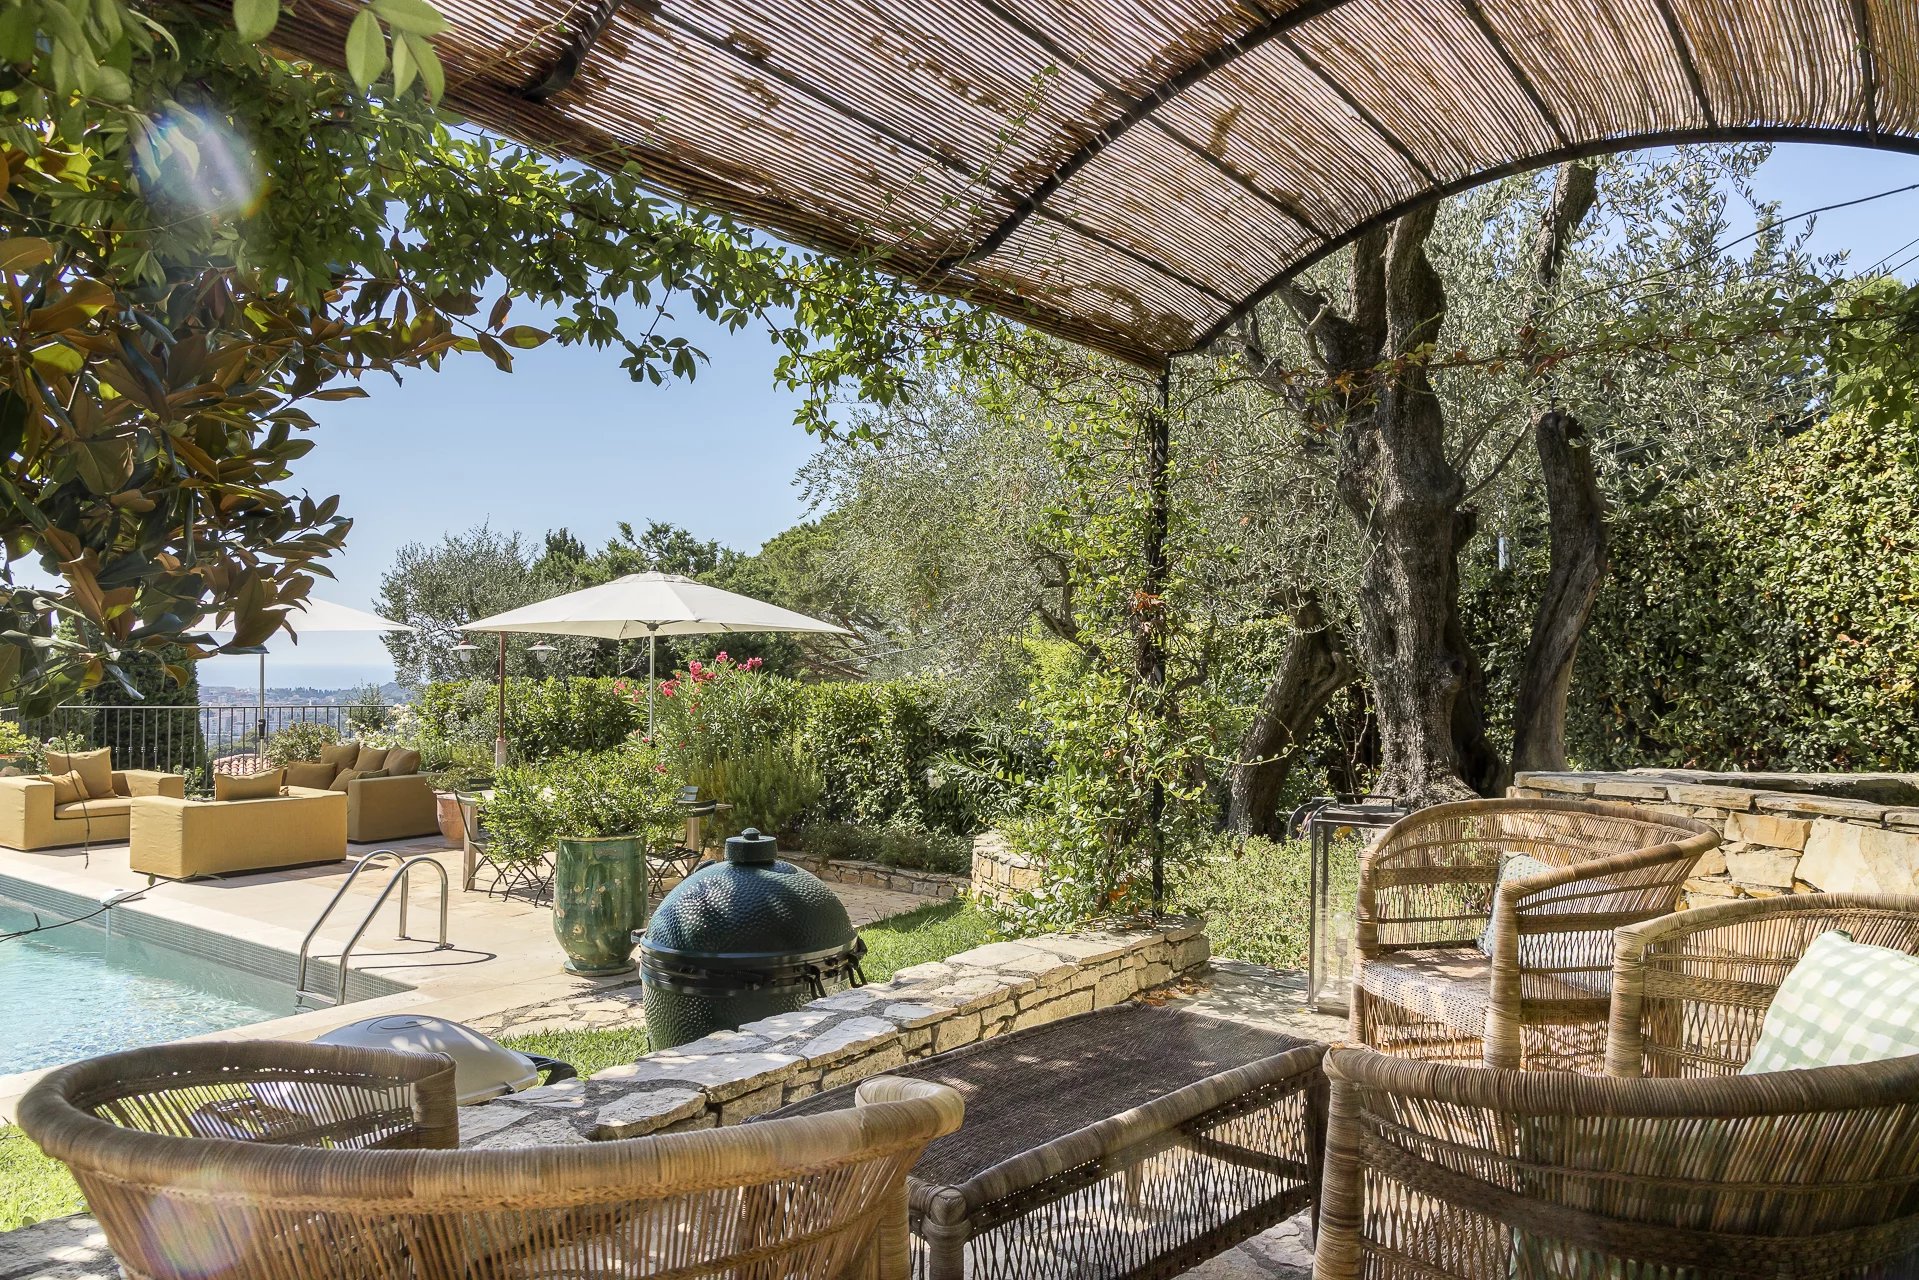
{"x": 1446, "y": 1172}
{"x": 1424, "y": 989}
{"x": 817, "y": 1198}
{"x": 1690, "y": 991}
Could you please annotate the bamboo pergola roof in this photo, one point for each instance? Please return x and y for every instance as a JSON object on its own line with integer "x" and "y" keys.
{"x": 1136, "y": 176}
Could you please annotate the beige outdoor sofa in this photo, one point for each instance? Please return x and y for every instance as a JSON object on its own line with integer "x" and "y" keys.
{"x": 30, "y": 817}
{"x": 387, "y": 797}
{"x": 180, "y": 839}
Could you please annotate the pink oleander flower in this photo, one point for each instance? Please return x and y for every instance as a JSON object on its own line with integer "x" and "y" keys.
{"x": 752, "y": 664}
{"x": 721, "y": 657}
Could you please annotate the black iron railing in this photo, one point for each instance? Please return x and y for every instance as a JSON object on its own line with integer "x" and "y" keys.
{"x": 191, "y": 740}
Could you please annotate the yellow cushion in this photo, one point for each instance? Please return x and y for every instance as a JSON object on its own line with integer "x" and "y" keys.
{"x": 94, "y": 767}
{"x": 340, "y": 754}
{"x": 83, "y": 810}
{"x": 253, "y": 786}
{"x": 370, "y": 758}
{"x": 341, "y": 778}
{"x": 401, "y": 761}
{"x": 316, "y": 776}
{"x": 67, "y": 787}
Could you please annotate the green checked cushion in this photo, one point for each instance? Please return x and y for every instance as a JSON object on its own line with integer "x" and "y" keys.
{"x": 1512, "y": 866}
{"x": 1843, "y": 1002}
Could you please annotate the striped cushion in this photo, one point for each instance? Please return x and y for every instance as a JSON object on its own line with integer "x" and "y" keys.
{"x": 1843, "y": 1002}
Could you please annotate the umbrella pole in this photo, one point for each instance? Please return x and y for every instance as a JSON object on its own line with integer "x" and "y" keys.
{"x": 261, "y": 732}
{"x": 652, "y": 642}
{"x": 499, "y": 740}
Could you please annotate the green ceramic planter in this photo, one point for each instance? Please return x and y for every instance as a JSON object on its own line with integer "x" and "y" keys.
{"x": 599, "y": 899}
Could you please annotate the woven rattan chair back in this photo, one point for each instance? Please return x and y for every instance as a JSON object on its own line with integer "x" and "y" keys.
{"x": 1458, "y": 1173}
{"x": 1426, "y": 894}
{"x": 1690, "y": 991}
{"x": 816, "y": 1198}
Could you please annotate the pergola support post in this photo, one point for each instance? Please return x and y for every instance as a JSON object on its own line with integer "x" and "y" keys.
{"x": 1151, "y": 652}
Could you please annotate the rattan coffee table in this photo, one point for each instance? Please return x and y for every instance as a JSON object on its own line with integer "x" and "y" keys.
{"x": 1133, "y": 1142}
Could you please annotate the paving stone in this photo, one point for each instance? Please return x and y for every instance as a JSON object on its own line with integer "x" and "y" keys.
{"x": 533, "y": 1131}
{"x": 846, "y": 1037}
{"x": 782, "y": 1025}
{"x": 722, "y": 1075}
{"x": 906, "y": 1014}
{"x": 639, "y": 1111}
{"x": 1769, "y": 829}
{"x": 1748, "y": 866}
{"x": 1794, "y": 802}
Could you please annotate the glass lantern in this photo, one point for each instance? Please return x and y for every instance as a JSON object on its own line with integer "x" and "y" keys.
{"x": 1337, "y": 833}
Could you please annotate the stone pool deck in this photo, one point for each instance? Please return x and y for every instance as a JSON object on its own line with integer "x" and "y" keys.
{"x": 73, "y": 1248}
{"x": 502, "y": 957}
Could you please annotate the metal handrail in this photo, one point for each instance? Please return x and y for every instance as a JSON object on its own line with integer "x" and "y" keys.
{"x": 402, "y": 872}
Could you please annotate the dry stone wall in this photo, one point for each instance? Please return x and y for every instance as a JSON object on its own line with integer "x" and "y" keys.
{"x": 734, "y": 1075}
{"x": 999, "y": 872}
{"x": 1782, "y": 833}
{"x": 927, "y": 884}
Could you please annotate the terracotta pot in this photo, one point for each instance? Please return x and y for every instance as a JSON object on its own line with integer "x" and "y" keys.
{"x": 599, "y": 899}
{"x": 446, "y": 808}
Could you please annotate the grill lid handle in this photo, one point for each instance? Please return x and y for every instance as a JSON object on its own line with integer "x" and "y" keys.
{"x": 751, "y": 849}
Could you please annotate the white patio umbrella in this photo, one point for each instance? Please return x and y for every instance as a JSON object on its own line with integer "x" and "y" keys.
{"x": 650, "y": 604}
{"x": 313, "y": 616}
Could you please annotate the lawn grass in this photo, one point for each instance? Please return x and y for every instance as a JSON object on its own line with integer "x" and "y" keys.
{"x": 589, "y": 1049}
{"x": 932, "y": 932}
{"x": 926, "y": 933}
{"x": 33, "y": 1187}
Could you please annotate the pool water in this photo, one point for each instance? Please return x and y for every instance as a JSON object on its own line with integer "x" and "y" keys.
{"x": 78, "y": 990}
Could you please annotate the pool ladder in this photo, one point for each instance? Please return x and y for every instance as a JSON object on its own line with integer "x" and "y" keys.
{"x": 402, "y": 872}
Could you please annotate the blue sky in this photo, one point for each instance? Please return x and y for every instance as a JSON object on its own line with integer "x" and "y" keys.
{"x": 568, "y": 440}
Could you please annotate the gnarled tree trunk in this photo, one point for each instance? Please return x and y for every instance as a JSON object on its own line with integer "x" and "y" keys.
{"x": 1315, "y": 667}
{"x": 1577, "y": 523}
{"x": 1404, "y": 493}
{"x": 1576, "y": 513}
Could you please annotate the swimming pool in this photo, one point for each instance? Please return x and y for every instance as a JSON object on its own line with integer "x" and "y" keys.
{"x": 127, "y": 978}
{"x": 76, "y": 991}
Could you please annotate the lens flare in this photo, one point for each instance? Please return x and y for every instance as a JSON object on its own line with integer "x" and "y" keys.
{"x": 195, "y": 159}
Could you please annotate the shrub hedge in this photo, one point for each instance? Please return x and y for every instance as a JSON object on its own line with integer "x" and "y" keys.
{"x": 879, "y": 753}
{"x": 1766, "y": 617}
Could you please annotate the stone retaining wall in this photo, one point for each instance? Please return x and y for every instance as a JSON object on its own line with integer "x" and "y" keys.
{"x": 927, "y": 884}
{"x": 1776, "y": 839}
{"x": 731, "y": 1076}
{"x": 998, "y": 872}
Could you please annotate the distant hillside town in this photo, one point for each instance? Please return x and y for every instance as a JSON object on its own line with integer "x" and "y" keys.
{"x": 223, "y": 695}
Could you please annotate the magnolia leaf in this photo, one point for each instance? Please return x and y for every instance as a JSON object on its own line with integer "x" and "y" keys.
{"x": 432, "y": 75}
{"x": 416, "y": 16}
{"x": 524, "y": 336}
{"x": 497, "y": 316}
{"x": 499, "y": 355}
{"x": 340, "y": 393}
{"x": 255, "y": 19}
{"x": 403, "y": 66}
{"x": 59, "y": 356}
{"x": 365, "y": 50}
{"x": 22, "y": 252}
